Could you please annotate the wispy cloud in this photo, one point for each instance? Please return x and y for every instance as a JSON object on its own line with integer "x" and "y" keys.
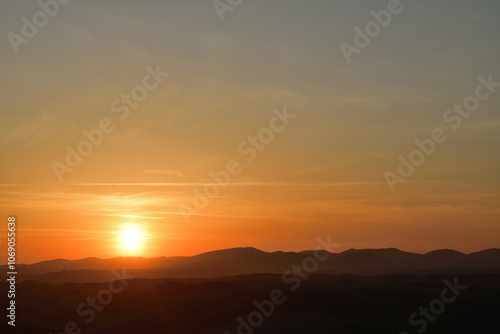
{"x": 164, "y": 172}
{"x": 308, "y": 170}
{"x": 32, "y": 131}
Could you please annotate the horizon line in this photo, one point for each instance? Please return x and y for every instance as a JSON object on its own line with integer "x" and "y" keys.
{"x": 226, "y": 249}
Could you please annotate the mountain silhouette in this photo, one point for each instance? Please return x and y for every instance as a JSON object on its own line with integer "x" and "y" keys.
{"x": 244, "y": 261}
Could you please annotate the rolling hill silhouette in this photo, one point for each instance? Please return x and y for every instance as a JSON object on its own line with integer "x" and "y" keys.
{"x": 355, "y": 291}
{"x": 242, "y": 261}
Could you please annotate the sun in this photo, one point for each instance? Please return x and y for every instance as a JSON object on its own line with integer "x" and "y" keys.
{"x": 131, "y": 238}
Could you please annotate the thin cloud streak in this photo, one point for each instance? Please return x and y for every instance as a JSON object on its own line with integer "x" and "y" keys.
{"x": 201, "y": 184}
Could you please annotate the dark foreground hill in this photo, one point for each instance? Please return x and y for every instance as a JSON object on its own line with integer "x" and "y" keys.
{"x": 242, "y": 261}
{"x": 321, "y": 304}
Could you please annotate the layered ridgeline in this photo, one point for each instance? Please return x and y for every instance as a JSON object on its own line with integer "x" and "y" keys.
{"x": 242, "y": 261}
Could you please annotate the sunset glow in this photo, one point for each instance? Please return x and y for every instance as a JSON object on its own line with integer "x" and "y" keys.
{"x": 232, "y": 166}
{"x": 131, "y": 238}
{"x": 159, "y": 130}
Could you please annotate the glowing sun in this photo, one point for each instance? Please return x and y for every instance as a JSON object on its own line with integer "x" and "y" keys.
{"x": 131, "y": 238}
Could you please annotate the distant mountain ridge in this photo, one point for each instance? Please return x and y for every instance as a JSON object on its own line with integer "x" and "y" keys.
{"x": 242, "y": 261}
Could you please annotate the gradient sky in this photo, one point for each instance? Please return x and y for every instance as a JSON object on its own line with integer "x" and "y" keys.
{"x": 323, "y": 175}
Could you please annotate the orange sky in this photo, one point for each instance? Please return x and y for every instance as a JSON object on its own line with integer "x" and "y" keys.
{"x": 77, "y": 221}
{"x": 320, "y": 172}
